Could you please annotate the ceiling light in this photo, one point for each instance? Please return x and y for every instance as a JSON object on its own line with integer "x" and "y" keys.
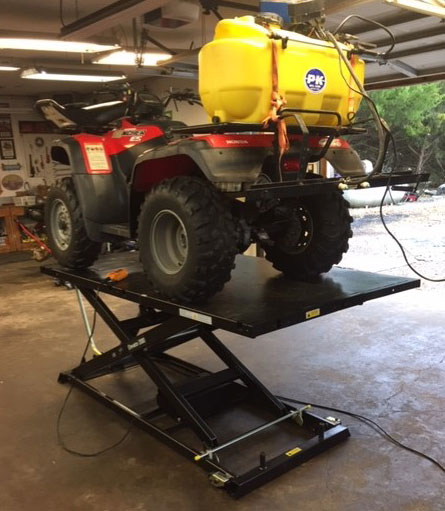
{"x": 129, "y": 58}
{"x": 7, "y": 43}
{"x": 9, "y": 68}
{"x": 70, "y": 76}
{"x": 101, "y": 105}
{"x": 428, "y": 8}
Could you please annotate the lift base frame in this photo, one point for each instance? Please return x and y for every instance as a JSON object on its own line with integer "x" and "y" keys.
{"x": 203, "y": 394}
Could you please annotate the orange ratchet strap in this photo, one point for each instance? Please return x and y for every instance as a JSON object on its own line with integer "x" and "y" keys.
{"x": 277, "y": 102}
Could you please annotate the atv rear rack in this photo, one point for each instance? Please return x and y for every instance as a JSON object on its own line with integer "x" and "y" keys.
{"x": 234, "y": 127}
{"x": 300, "y": 128}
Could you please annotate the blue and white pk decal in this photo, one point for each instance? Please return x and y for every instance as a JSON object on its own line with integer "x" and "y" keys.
{"x": 315, "y": 81}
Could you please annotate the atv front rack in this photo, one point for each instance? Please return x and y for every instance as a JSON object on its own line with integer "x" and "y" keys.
{"x": 226, "y": 422}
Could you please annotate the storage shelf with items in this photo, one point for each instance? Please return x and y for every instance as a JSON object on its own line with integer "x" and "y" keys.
{"x": 10, "y": 238}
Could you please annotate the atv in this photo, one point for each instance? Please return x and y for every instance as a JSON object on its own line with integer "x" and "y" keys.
{"x": 197, "y": 196}
{"x": 129, "y": 171}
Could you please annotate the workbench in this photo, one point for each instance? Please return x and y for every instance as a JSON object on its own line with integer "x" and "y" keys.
{"x": 195, "y": 410}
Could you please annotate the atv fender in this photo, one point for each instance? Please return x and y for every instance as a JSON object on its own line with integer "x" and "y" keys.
{"x": 345, "y": 160}
{"x": 103, "y": 198}
{"x": 194, "y": 156}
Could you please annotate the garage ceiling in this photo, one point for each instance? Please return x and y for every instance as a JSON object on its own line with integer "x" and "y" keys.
{"x": 418, "y": 57}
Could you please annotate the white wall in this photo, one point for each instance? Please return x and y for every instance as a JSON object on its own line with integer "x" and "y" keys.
{"x": 21, "y": 109}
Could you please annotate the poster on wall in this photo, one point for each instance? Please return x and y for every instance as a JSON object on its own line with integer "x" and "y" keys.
{"x": 12, "y": 182}
{"x": 35, "y": 127}
{"x": 5, "y": 126}
{"x": 7, "y": 149}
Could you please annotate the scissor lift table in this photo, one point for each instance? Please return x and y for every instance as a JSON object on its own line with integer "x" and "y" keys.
{"x": 257, "y": 301}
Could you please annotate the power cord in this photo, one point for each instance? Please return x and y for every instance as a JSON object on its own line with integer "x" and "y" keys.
{"x": 387, "y": 229}
{"x": 65, "y": 401}
{"x": 62, "y": 21}
{"x": 371, "y": 22}
{"x": 370, "y": 423}
{"x": 382, "y": 127}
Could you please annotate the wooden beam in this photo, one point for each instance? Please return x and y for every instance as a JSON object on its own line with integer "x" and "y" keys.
{"x": 390, "y": 82}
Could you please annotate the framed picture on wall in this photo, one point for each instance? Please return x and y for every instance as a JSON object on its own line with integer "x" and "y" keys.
{"x": 7, "y": 149}
{"x": 5, "y": 126}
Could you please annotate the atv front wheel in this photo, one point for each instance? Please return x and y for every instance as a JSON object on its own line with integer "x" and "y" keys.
{"x": 65, "y": 228}
{"x": 187, "y": 239}
{"x": 315, "y": 240}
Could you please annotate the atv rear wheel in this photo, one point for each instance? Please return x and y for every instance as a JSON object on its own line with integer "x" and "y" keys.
{"x": 318, "y": 240}
{"x": 187, "y": 239}
{"x": 65, "y": 228}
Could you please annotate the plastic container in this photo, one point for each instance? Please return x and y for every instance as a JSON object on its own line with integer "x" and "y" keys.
{"x": 235, "y": 75}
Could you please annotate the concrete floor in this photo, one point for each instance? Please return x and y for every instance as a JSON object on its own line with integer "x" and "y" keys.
{"x": 384, "y": 360}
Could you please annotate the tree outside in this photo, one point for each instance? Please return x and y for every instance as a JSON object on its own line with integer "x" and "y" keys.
{"x": 416, "y": 116}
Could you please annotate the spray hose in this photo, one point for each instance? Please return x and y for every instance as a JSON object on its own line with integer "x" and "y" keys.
{"x": 382, "y": 129}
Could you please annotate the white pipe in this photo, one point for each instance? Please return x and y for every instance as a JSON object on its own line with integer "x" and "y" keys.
{"x": 96, "y": 351}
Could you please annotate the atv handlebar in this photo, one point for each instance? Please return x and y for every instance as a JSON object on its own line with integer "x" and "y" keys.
{"x": 187, "y": 95}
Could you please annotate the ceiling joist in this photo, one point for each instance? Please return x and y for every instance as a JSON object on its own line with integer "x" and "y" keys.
{"x": 108, "y": 17}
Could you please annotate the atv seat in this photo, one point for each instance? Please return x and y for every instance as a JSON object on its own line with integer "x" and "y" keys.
{"x": 76, "y": 116}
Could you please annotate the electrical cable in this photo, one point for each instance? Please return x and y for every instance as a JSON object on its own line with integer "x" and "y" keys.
{"x": 382, "y": 129}
{"x": 387, "y": 229}
{"x": 370, "y": 423}
{"x": 382, "y": 124}
{"x": 371, "y": 22}
{"x": 65, "y": 401}
{"x": 61, "y": 13}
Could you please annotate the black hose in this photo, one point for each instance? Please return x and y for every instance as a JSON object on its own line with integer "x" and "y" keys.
{"x": 371, "y": 22}
{"x": 382, "y": 130}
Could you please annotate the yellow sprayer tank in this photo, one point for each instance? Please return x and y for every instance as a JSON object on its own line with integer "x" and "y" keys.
{"x": 235, "y": 75}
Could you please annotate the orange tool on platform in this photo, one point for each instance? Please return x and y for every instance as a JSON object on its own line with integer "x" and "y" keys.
{"x": 117, "y": 275}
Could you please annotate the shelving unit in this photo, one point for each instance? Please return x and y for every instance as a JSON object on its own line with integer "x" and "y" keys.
{"x": 10, "y": 237}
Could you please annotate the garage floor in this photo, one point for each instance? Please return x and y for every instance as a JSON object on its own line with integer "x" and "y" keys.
{"x": 384, "y": 360}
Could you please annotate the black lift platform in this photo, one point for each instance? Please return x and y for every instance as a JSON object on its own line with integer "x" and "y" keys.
{"x": 190, "y": 400}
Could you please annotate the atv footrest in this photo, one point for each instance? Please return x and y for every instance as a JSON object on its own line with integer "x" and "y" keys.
{"x": 121, "y": 230}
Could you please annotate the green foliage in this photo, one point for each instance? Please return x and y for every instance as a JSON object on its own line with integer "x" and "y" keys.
{"x": 414, "y": 111}
{"x": 416, "y": 115}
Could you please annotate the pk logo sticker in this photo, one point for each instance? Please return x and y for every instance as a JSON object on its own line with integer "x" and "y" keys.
{"x": 315, "y": 81}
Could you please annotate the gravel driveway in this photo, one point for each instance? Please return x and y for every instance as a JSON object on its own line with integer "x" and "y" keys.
{"x": 420, "y": 227}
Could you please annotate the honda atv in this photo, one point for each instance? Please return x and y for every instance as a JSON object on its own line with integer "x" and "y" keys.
{"x": 197, "y": 196}
{"x": 132, "y": 172}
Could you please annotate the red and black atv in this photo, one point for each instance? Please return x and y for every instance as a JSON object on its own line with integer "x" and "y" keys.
{"x": 194, "y": 197}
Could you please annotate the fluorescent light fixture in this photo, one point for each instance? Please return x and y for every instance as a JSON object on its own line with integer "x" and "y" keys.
{"x": 8, "y": 43}
{"x": 70, "y": 76}
{"x": 9, "y": 68}
{"x": 427, "y": 7}
{"x": 101, "y": 105}
{"x": 128, "y": 58}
